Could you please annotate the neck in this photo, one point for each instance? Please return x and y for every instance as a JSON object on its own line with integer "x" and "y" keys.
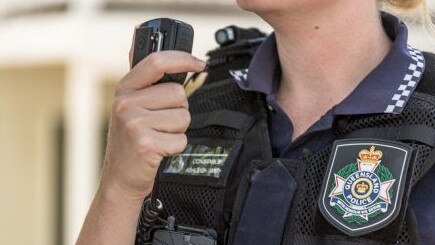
{"x": 325, "y": 51}
{"x": 328, "y": 54}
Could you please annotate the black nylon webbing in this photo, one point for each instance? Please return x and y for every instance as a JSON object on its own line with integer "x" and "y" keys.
{"x": 226, "y": 118}
{"x": 420, "y": 133}
{"x": 428, "y": 164}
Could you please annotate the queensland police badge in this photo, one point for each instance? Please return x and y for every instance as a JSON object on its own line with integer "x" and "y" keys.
{"x": 364, "y": 183}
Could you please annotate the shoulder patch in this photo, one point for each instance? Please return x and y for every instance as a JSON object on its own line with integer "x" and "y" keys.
{"x": 363, "y": 187}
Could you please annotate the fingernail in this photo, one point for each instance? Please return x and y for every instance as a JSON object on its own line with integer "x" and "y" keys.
{"x": 201, "y": 64}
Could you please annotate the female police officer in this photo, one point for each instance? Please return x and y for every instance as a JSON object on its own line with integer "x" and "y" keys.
{"x": 326, "y": 60}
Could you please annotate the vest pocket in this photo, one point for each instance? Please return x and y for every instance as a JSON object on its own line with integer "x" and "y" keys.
{"x": 193, "y": 184}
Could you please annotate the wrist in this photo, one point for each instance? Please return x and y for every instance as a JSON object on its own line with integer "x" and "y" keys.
{"x": 117, "y": 193}
{"x": 113, "y": 216}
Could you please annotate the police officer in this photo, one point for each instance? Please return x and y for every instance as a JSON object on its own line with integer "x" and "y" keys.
{"x": 327, "y": 68}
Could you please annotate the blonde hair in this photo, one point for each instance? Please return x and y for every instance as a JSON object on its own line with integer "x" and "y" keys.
{"x": 405, "y": 4}
{"x": 414, "y": 12}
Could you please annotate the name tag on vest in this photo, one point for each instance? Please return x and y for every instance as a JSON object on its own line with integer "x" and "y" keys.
{"x": 199, "y": 160}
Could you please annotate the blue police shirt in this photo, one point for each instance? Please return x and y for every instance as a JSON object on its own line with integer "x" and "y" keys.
{"x": 389, "y": 86}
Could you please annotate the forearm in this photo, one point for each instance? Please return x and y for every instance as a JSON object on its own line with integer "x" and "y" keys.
{"x": 112, "y": 218}
{"x": 148, "y": 123}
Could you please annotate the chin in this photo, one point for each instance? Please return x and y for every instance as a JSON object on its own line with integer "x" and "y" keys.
{"x": 284, "y": 6}
{"x": 262, "y": 6}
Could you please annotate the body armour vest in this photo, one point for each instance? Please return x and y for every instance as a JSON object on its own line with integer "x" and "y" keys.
{"x": 346, "y": 193}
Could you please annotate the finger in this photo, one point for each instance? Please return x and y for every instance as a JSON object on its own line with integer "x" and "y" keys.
{"x": 169, "y": 120}
{"x": 157, "y": 97}
{"x": 154, "y": 66}
{"x": 169, "y": 144}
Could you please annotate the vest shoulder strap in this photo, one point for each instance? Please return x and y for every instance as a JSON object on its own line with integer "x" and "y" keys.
{"x": 427, "y": 83}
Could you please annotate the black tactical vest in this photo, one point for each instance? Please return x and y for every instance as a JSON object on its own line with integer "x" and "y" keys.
{"x": 231, "y": 126}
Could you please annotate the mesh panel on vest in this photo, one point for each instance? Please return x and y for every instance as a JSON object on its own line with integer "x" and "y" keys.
{"x": 306, "y": 221}
{"x": 219, "y": 132}
{"x": 192, "y": 205}
{"x": 404, "y": 234}
{"x": 416, "y": 112}
{"x": 423, "y": 151}
{"x": 222, "y": 95}
{"x": 307, "y": 207}
{"x": 203, "y": 204}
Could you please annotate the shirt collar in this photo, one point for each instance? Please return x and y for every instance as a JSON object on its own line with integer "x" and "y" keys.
{"x": 385, "y": 90}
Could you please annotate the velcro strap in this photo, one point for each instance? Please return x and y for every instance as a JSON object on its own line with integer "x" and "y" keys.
{"x": 226, "y": 118}
{"x": 420, "y": 133}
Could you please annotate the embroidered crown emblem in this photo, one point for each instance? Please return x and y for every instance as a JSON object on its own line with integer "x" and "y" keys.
{"x": 362, "y": 188}
{"x": 371, "y": 156}
{"x": 369, "y": 159}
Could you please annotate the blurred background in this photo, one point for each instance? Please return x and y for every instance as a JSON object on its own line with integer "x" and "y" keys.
{"x": 59, "y": 63}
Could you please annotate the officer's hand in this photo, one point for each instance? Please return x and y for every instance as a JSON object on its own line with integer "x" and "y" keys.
{"x": 148, "y": 122}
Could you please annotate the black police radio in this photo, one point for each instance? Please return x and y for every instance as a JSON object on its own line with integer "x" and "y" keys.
{"x": 163, "y": 34}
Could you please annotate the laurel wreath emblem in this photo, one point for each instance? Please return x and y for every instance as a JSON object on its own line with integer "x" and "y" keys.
{"x": 384, "y": 175}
